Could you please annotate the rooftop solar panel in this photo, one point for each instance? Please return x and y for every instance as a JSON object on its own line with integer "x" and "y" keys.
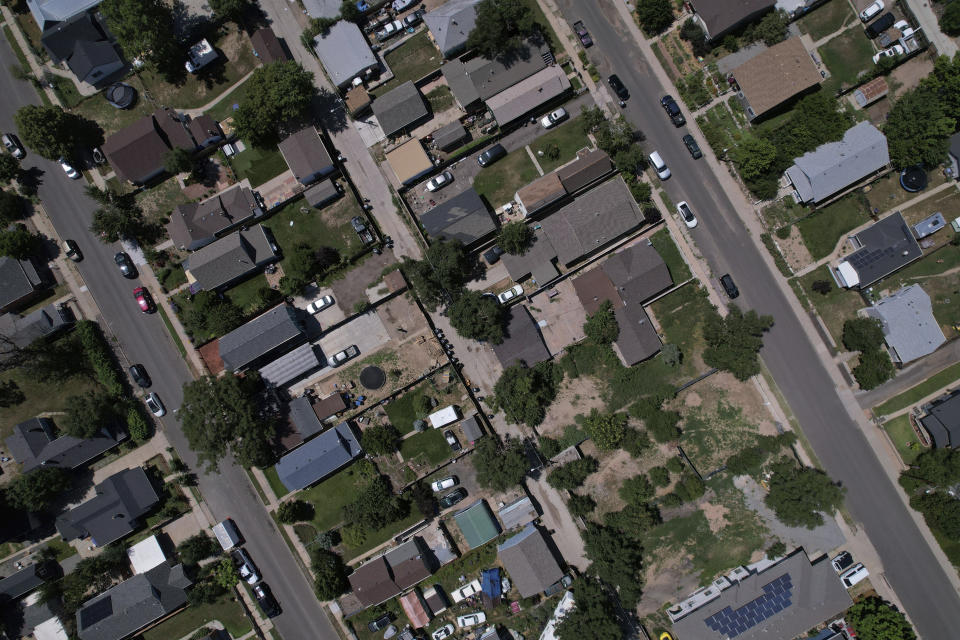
{"x": 733, "y": 622}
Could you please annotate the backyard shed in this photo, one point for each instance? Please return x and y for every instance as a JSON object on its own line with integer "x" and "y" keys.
{"x": 443, "y": 417}
{"x": 477, "y": 524}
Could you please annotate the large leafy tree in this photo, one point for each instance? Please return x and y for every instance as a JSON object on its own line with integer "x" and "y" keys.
{"x": 276, "y": 94}
{"x": 52, "y": 132}
{"x": 918, "y": 129}
{"x": 754, "y": 157}
{"x": 144, "y": 29}
{"x": 602, "y": 326}
{"x": 38, "y": 490}
{"x": 772, "y": 28}
{"x": 111, "y": 222}
{"x": 88, "y": 413}
{"x": 862, "y": 334}
{"x": 515, "y": 237}
{"x": 734, "y": 342}
{"x": 380, "y": 439}
{"x": 478, "y": 316}
{"x": 11, "y": 205}
{"x": 441, "y": 274}
{"x": 212, "y": 314}
{"x": 654, "y": 15}
{"x": 500, "y": 27}
{"x": 875, "y": 619}
{"x": 593, "y": 615}
{"x": 18, "y": 242}
{"x": 499, "y": 467}
{"x": 232, "y": 10}
{"x": 800, "y": 495}
{"x": 573, "y": 474}
{"x": 222, "y": 416}
{"x": 874, "y": 368}
{"x": 331, "y": 574}
{"x": 616, "y": 559}
{"x": 524, "y": 393}
{"x": 375, "y": 506}
{"x": 606, "y": 429}
{"x": 950, "y": 19}
{"x": 9, "y": 167}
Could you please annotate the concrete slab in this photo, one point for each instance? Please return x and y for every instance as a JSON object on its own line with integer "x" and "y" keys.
{"x": 562, "y": 314}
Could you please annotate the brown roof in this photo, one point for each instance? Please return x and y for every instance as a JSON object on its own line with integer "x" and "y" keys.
{"x": 371, "y": 582}
{"x": 776, "y": 75}
{"x": 540, "y": 193}
{"x": 305, "y": 153}
{"x": 267, "y": 47}
{"x": 357, "y": 100}
{"x": 720, "y": 16}
{"x": 588, "y": 166}
{"x": 409, "y": 562}
{"x": 136, "y": 152}
{"x": 594, "y": 288}
{"x": 329, "y": 406}
{"x": 203, "y": 127}
{"x": 638, "y": 340}
{"x": 871, "y": 91}
{"x": 414, "y": 607}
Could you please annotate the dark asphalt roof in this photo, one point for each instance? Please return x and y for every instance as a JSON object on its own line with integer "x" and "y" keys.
{"x": 329, "y": 406}
{"x": 638, "y": 339}
{"x": 463, "y": 217}
{"x": 638, "y": 272}
{"x": 305, "y": 154}
{"x": 523, "y": 341}
{"x": 196, "y": 224}
{"x": 34, "y": 443}
{"x": 88, "y": 56}
{"x": 410, "y": 562}
{"x": 60, "y": 37}
{"x": 321, "y": 193}
{"x": 114, "y": 512}
{"x": 260, "y": 336}
{"x": 449, "y": 135}
{"x": 233, "y": 256}
{"x": 886, "y": 246}
{"x": 22, "y": 582}
{"x": 399, "y": 108}
{"x": 472, "y": 430}
{"x": 538, "y": 261}
{"x": 529, "y": 561}
{"x": 317, "y": 458}
{"x": 266, "y": 46}
{"x": 18, "y": 278}
{"x": 137, "y": 151}
{"x": 942, "y": 421}
{"x": 23, "y": 330}
{"x": 482, "y": 78}
{"x": 588, "y": 167}
{"x": 303, "y": 417}
{"x": 372, "y": 583}
{"x": 719, "y": 16}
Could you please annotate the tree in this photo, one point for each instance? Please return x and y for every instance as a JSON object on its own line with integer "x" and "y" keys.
{"x": 221, "y": 416}
{"x": 592, "y": 119}
{"x": 499, "y": 467}
{"x": 204, "y": 592}
{"x": 654, "y": 16}
{"x": 799, "y": 495}
{"x": 380, "y": 439}
{"x": 754, "y": 157}
{"x": 692, "y": 32}
{"x": 572, "y": 474}
{"x": 633, "y": 521}
{"x": 941, "y": 511}
{"x": 424, "y": 499}
{"x": 303, "y": 263}
{"x": 137, "y": 425}
{"x": 331, "y": 574}
{"x": 874, "y": 368}
{"x": 196, "y": 548}
{"x": 11, "y": 205}
{"x": 602, "y": 326}
{"x": 9, "y": 167}
{"x": 606, "y": 429}
{"x": 111, "y": 222}
{"x": 500, "y": 26}
{"x": 293, "y": 511}
{"x": 637, "y": 490}
{"x": 375, "y": 505}
{"x": 38, "y": 490}
{"x": 230, "y": 10}
{"x": 441, "y": 274}
{"x": 225, "y": 573}
{"x": 616, "y": 559}
{"x": 950, "y": 19}
{"x": 524, "y": 393}
{"x": 918, "y": 129}
{"x": 937, "y": 468}
{"x": 659, "y": 476}
{"x": 593, "y": 616}
{"x": 178, "y": 159}
{"x": 18, "y": 242}
{"x": 772, "y": 28}
{"x": 515, "y": 238}
{"x": 862, "y": 334}
{"x": 734, "y": 342}
{"x": 479, "y": 317}
{"x": 689, "y": 487}
{"x": 747, "y": 461}
{"x": 88, "y": 413}
{"x": 632, "y": 162}
{"x": 143, "y": 28}
{"x": 615, "y": 136}
{"x": 661, "y": 424}
{"x": 54, "y": 133}
{"x": 275, "y": 94}
{"x": 211, "y": 314}
{"x": 350, "y": 12}
{"x": 10, "y": 394}
{"x": 581, "y": 505}
{"x": 776, "y": 550}
{"x": 875, "y": 619}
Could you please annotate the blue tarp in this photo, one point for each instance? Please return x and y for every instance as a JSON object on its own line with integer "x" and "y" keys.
{"x": 490, "y": 582}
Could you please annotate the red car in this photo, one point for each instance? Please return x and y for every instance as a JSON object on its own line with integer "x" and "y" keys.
{"x": 144, "y": 300}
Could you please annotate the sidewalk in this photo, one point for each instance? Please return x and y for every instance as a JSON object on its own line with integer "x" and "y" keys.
{"x": 570, "y": 44}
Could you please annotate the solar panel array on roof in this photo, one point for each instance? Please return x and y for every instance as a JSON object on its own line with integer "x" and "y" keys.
{"x": 777, "y": 596}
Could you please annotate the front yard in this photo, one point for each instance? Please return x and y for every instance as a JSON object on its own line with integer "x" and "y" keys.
{"x": 904, "y": 439}
{"x": 332, "y": 495}
{"x": 412, "y": 60}
{"x": 226, "y": 610}
{"x": 40, "y": 397}
{"x": 915, "y": 394}
{"x": 826, "y": 19}
{"x": 667, "y": 248}
{"x": 159, "y": 201}
{"x": 822, "y": 230}
{"x": 681, "y": 315}
{"x": 836, "y": 306}
{"x": 110, "y": 118}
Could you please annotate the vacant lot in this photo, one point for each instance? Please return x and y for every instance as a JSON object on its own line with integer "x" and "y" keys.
{"x": 412, "y": 60}
{"x": 846, "y": 56}
{"x": 824, "y": 229}
{"x": 834, "y": 308}
{"x": 826, "y": 19}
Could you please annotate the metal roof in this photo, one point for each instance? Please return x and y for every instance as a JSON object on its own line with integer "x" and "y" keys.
{"x": 477, "y": 524}
{"x": 290, "y": 365}
{"x": 833, "y": 166}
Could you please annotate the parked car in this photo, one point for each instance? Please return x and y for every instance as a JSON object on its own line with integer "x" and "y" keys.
{"x": 266, "y": 601}
{"x": 340, "y": 357}
{"x": 439, "y": 181}
{"x": 413, "y": 19}
{"x": 444, "y": 483}
{"x": 443, "y": 632}
{"x": 145, "y": 300}
{"x": 726, "y": 280}
{"x": 673, "y": 110}
{"x": 872, "y": 10}
{"x": 880, "y": 25}
{"x": 552, "y": 118}
{"x": 120, "y": 95}
{"x": 68, "y": 169}
{"x": 380, "y": 623}
{"x": 491, "y": 155}
{"x": 582, "y": 33}
{"x": 656, "y": 161}
{"x": 842, "y": 561}
{"x": 139, "y": 374}
{"x": 320, "y": 304}
{"x": 155, "y": 405}
{"x": 127, "y": 269}
{"x": 453, "y": 498}
{"x": 12, "y": 143}
{"x": 471, "y": 619}
{"x": 452, "y": 440}
{"x": 685, "y": 212}
{"x": 618, "y": 88}
{"x": 389, "y": 30}
{"x": 906, "y": 31}
{"x": 854, "y": 575}
{"x": 72, "y": 250}
{"x": 890, "y": 52}
{"x": 492, "y": 255}
{"x": 200, "y": 55}
{"x": 692, "y": 146}
{"x": 248, "y": 570}
{"x": 510, "y": 293}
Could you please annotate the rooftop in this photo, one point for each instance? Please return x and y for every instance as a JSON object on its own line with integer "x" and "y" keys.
{"x": 450, "y": 24}
{"x": 267, "y": 47}
{"x": 776, "y": 75}
{"x": 23, "y": 330}
{"x": 35, "y": 443}
{"x": 385, "y": 576}
{"x": 540, "y": 193}
{"x": 517, "y": 513}
{"x": 305, "y": 153}
{"x": 529, "y": 561}
{"x": 909, "y": 327}
{"x": 871, "y": 91}
{"x": 528, "y": 94}
{"x": 230, "y": 258}
{"x": 21, "y": 582}
{"x": 416, "y": 610}
{"x": 942, "y": 420}
{"x": 321, "y": 193}
{"x": 477, "y": 524}
{"x": 720, "y": 16}
{"x": 195, "y": 225}
{"x": 53, "y": 11}
{"x": 114, "y": 512}
{"x": 399, "y": 108}
{"x": 638, "y": 272}
{"x": 482, "y": 78}
{"x": 344, "y": 52}
{"x": 269, "y": 331}
{"x": 318, "y": 458}
{"x": 449, "y": 135}
{"x": 883, "y": 248}
{"x": 146, "y": 555}
{"x": 409, "y": 161}
{"x": 523, "y": 341}
{"x": 137, "y": 151}
{"x": 538, "y": 261}
{"x": 18, "y": 279}
{"x": 463, "y": 217}
{"x": 290, "y": 366}
{"x": 588, "y": 167}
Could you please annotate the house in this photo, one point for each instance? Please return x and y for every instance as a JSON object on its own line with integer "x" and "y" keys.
{"x": 518, "y": 513}
{"x": 194, "y": 225}
{"x": 290, "y": 366}
{"x": 472, "y": 429}
{"x": 20, "y": 583}
{"x": 436, "y": 599}
{"x": 345, "y": 53}
{"x": 449, "y": 136}
{"x": 372, "y": 583}
{"x": 146, "y": 555}
{"x": 230, "y": 259}
{"x": 781, "y": 601}
{"x": 46, "y": 321}
{"x": 720, "y": 17}
{"x": 834, "y": 166}
{"x": 775, "y": 76}
{"x": 316, "y": 459}
{"x": 47, "y": 13}
{"x": 416, "y": 609}
{"x": 593, "y": 220}
{"x": 400, "y": 109}
{"x": 638, "y": 272}
{"x": 529, "y": 562}
{"x": 450, "y": 25}
{"x": 330, "y": 406}
{"x": 125, "y": 608}
{"x": 34, "y": 443}
{"x": 19, "y": 283}
{"x": 495, "y": 633}
{"x": 75, "y": 34}
{"x": 477, "y": 524}
{"x": 322, "y": 193}
{"x": 539, "y": 193}
{"x": 385, "y": 576}
{"x": 306, "y": 155}
{"x": 519, "y": 100}
{"x": 870, "y": 92}
{"x": 120, "y": 501}
{"x": 463, "y": 217}
{"x": 276, "y": 331}
{"x": 303, "y": 418}
{"x": 322, "y": 8}
{"x": 204, "y": 129}
{"x": 522, "y": 341}
{"x": 357, "y": 100}
{"x": 538, "y": 263}
{"x": 909, "y": 327}
{"x": 267, "y": 47}
{"x": 941, "y": 420}
{"x": 409, "y": 162}
{"x": 879, "y": 250}
{"x": 589, "y": 167}
{"x": 137, "y": 151}
{"x": 479, "y": 79}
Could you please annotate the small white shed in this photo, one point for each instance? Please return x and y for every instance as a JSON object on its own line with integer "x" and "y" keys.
{"x": 443, "y": 417}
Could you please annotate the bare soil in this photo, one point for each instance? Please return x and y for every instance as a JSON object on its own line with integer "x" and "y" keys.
{"x": 577, "y": 396}
{"x": 794, "y": 250}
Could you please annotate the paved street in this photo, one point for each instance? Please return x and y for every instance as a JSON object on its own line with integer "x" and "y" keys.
{"x": 912, "y": 375}
{"x": 811, "y": 390}
{"x": 144, "y": 339}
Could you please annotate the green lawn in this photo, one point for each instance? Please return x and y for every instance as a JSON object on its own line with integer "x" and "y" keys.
{"x": 440, "y": 99}
{"x": 568, "y": 137}
{"x": 500, "y": 181}
{"x": 66, "y": 91}
{"x": 226, "y": 610}
{"x": 330, "y": 496}
{"x": 378, "y": 537}
{"x": 936, "y": 273}
{"x": 401, "y": 412}
{"x": 246, "y": 295}
{"x": 681, "y": 315}
{"x": 41, "y": 397}
{"x": 904, "y": 438}
{"x": 429, "y": 447}
{"x": 330, "y": 227}
{"x": 62, "y": 549}
{"x": 847, "y": 55}
{"x": 258, "y": 165}
{"x": 913, "y": 395}
{"x": 823, "y": 230}
{"x": 668, "y": 250}
{"x": 412, "y": 60}
{"x": 826, "y": 19}
{"x": 110, "y": 118}
{"x": 273, "y": 479}
{"x": 223, "y": 109}
{"x": 172, "y": 277}
{"x": 834, "y": 308}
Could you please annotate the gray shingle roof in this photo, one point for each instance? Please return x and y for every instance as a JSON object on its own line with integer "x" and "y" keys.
{"x": 53, "y": 11}
{"x": 463, "y": 217}
{"x": 482, "y": 78}
{"x": 20, "y": 583}
{"x": 303, "y": 417}
{"x": 538, "y": 261}
{"x": 59, "y": 38}
{"x": 344, "y": 52}
{"x": 449, "y": 135}
{"x": 410, "y": 562}
{"x": 322, "y": 8}
{"x": 885, "y": 247}
{"x": 230, "y": 258}
{"x": 529, "y": 561}
{"x": 638, "y": 272}
{"x": 833, "y": 166}
{"x": 90, "y": 56}
{"x": 305, "y": 154}
{"x": 523, "y": 341}
{"x": 517, "y": 513}
{"x": 18, "y": 279}
{"x": 638, "y": 339}
{"x": 195, "y": 225}
{"x": 399, "y": 108}
{"x": 472, "y": 430}
{"x": 317, "y": 458}
{"x": 942, "y": 421}
{"x": 528, "y": 94}
{"x": 114, "y": 512}
{"x": 321, "y": 193}
{"x": 34, "y": 443}
{"x": 124, "y": 609}
{"x": 267, "y": 332}
{"x": 720, "y": 16}
{"x": 23, "y": 330}
{"x": 450, "y": 24}
{"x": 909, "y": 328}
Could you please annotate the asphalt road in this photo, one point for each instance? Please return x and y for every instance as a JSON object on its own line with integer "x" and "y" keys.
{"x": 910, "y": 566}
{"x": 145, "y": 339}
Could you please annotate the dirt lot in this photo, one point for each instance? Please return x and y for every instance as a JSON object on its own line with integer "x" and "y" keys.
{"x": 577, "y": 396}
{"x": 794, "y": 251}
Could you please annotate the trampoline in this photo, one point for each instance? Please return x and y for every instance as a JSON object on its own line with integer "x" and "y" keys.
{"x": 913, "y": 179}
{"x": 372, "y": 378}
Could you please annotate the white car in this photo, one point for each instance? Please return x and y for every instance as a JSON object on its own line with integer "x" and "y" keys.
{"x": 439, "y": 182}
{"x": 389, "y": 30}
{"x": 471, "y": 619}
{"x": 320, "y": 304}
{"x": 466, "y": 591}
{"x": 444, "y": 483}
{"x": 510, "y": 293}
{"x": 249, "y": 574}
{"x": 890, "y": 52}
{"x": 688, "y": 218}
{"x": 854, "y": 575}
{"x": 443, "y": 632}
{"x": 340, "y": 357}
{"x": 871, "y": 11}
{"x": 401, "y": 5}
{"x": 153, "y": 403}
{"x": 68, "y": 169}
{"x": 904, "y": 28}
{"x": 553, "y": 118}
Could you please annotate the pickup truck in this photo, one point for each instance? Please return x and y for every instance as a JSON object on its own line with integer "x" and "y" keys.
{"x": 391, "y": 29}
{"x": 361, "y": 228}
{"x": 463, "y": 593}
{"x": 582, "y": 33}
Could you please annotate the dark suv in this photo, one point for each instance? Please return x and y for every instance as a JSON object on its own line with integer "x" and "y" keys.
{"x": 139, "y": 374}
{"x": 879, "y": 25}
{"x": 729, "y": 286}
{"x": 491, "y": 155}
{"x": 692, "y": 147}
{"x": 268, "y": 604}
{"x": 673, "y": 110}
{"x": 618, "y": 87}
{"x": 453, "y": 498}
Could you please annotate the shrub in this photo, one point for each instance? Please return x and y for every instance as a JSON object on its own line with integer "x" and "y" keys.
{"x": 197, "y": 548}
{"x": 671, "y": 500}
{"x": 689, "y": 487}
{"x": 659, "y": 476}
{"x": 572, "y": 474}
{"x": 331, "y": 574}
{"x": 549, "y": 447}
{"x": 606, "y": 429}
{"x": 635, "y": 442}
{"x": 636, "y": 490}
{"x": 294, "y": 511}
{"x": 581, "y": 505}
{"x": 100, "y": 357}
{"x": 674, "y": 465}
{"x": 380, "y": 439}
{"x": 137, "y": 425}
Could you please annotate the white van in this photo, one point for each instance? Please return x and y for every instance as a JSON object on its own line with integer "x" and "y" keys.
{"x": 854, "y": 575}
{"x": 663, "y": 172}
{"x": 227, "y": 534}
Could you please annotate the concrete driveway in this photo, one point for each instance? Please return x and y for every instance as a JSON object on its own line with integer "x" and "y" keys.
{"x": 366, "y": 331}
{"x": 559, "y": 523}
